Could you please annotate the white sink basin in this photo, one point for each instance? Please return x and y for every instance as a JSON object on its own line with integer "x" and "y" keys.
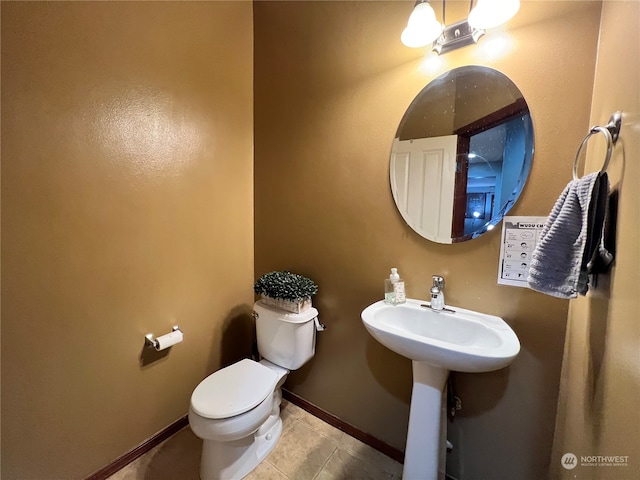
{"x": 464, "y": 341}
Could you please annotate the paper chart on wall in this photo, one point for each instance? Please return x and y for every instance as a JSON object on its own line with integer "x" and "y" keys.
{"x": 520, "y": 235}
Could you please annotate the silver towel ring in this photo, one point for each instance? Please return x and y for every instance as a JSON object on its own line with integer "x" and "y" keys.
{"x": 593, "y": 131}
{"x": 610, "y": 132}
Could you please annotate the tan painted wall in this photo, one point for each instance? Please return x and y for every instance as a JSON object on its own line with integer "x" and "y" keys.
{"x": 127, "y": 207}
{"x": 598, "y": 409}
{"x": 332, "y": 82}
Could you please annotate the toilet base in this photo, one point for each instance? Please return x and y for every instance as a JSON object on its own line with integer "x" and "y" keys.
{"x": 234, "y": 460}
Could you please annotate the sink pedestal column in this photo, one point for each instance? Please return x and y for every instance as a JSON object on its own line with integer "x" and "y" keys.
{"x": 423, "y": 439}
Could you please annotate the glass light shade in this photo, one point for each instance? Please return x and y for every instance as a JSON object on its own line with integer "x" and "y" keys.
{"x": 422, "y": 28}
{"x": 491, "y": 13}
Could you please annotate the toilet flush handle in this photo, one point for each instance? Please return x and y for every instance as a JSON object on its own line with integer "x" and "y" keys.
{"x": 320, "y": 327}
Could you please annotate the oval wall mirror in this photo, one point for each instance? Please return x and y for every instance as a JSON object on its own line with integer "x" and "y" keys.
{"x": 462, "y": 154}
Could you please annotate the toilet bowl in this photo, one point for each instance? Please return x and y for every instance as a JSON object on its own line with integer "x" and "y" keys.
{"x": 236, "y": 410}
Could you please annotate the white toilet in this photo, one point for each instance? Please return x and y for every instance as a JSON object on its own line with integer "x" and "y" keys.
{"x": 236, "y": 410}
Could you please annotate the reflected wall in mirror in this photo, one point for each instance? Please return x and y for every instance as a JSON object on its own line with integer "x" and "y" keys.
{"x": 462, "y": 154}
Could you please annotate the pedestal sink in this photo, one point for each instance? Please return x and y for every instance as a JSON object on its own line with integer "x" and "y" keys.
{"x": 437, "y": 342}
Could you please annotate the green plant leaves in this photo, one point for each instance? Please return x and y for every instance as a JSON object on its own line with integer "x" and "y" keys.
{"x": 285, "y": 285}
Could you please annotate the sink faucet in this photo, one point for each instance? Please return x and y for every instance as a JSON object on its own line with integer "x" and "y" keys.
{"x": 437, "y": 293}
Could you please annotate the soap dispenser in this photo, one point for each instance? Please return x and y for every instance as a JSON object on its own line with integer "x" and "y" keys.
{"x": 394, "y": 289}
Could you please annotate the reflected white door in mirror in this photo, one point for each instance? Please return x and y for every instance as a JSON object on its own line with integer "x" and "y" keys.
{"x": 423, "y": 175}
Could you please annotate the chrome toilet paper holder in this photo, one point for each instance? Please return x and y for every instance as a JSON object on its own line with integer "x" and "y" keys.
{"x": 150, "y": 340}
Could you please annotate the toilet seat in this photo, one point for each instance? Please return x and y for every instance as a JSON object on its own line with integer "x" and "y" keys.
{"x": 233, "y": 390}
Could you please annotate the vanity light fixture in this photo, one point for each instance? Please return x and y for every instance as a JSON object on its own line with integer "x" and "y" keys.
{"x": 423, "y": 27}
{"x": 491, "y": 13}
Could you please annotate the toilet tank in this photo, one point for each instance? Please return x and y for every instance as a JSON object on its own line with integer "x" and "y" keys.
{"x": 284, "y": 338}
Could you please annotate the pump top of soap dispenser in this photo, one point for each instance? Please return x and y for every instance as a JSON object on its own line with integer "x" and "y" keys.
{"x": 394, "y": 277}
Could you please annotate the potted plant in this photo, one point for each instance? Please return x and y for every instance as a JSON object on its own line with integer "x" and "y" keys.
{"x": 286, "y": 290}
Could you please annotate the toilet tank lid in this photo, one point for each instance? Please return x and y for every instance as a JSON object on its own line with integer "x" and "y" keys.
{"x": 233, "y": 390}
{"x": 304, "y": 317}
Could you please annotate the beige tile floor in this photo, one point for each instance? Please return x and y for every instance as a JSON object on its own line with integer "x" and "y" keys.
{"x": 309, "y": 449}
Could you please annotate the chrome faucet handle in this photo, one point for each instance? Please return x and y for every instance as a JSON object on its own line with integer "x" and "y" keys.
{"x": 438, "y": 281}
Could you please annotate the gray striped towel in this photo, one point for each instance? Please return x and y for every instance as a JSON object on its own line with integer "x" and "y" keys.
{"x": 560, "y": 263}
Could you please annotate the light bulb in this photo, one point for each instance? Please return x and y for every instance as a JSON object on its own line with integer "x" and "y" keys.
{"x": 422, "y": 27}
{"x": 491, "y": 13}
